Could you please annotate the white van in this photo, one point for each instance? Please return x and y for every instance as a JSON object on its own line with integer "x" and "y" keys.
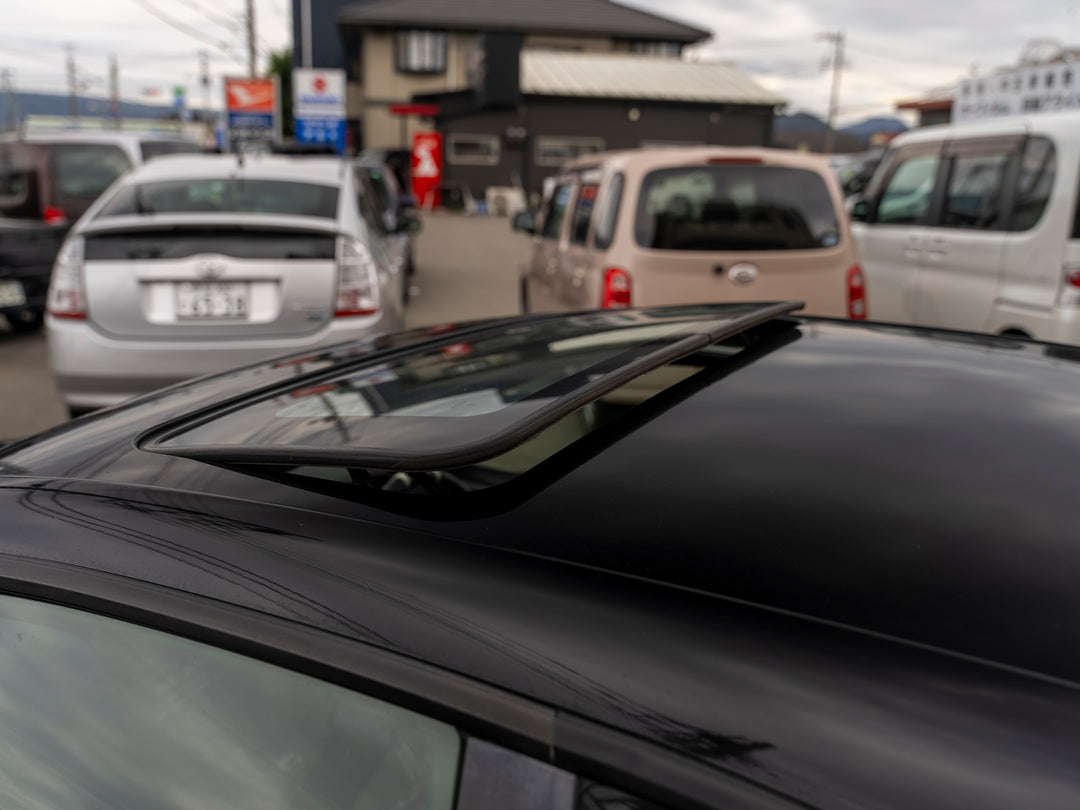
{"x": 974, "y": 226}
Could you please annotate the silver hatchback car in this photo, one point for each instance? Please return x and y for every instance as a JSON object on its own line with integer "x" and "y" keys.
{"x": 191, "y": 265}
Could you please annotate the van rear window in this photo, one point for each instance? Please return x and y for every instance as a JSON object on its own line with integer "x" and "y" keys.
{"x": 735, "y": 207}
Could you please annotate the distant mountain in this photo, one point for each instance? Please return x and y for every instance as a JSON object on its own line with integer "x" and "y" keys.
{"x": 807, "y": 129}
{"x": 799, "y": 122}
{"x": 865, "y": 130}
{"x": 89, "y": 107}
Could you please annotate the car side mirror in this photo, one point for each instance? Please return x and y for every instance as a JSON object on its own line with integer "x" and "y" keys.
{"x": 524, "y": 221}
{"x": 860, "y": 211}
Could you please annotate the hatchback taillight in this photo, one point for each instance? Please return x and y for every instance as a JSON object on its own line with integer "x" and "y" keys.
{"x": 358, "y": 280}
{"x": 856, "y": 294}
{"x": 67, "y": 292}
{"x": 616, "y": 294}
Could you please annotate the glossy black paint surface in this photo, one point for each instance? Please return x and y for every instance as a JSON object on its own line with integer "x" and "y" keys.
{"x": 842, "y": 570}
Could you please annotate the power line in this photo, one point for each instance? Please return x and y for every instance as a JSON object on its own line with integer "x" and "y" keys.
{"x": 187, "y": 29}
{"x": 234, "y": 24}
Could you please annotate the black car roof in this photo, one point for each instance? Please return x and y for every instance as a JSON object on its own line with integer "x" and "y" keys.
{"x": 844, "y": 525}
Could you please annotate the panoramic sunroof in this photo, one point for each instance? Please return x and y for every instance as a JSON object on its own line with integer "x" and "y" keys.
{"x": 455, "y": 403}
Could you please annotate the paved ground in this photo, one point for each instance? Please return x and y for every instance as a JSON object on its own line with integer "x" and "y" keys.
{"x": 466, "y": 268}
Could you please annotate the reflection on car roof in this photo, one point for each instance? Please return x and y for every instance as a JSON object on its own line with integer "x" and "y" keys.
{"x": 454, "y": 403}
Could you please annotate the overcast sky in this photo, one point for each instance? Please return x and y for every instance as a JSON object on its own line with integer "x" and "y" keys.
{"x": 894, "y": 50}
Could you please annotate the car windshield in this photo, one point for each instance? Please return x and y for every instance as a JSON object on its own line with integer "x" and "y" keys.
{"x": 735, "y": 207}
{"x": 228, "y": 196}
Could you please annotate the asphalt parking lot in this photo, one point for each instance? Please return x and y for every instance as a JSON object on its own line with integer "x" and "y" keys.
{"x": 466, "y": 268}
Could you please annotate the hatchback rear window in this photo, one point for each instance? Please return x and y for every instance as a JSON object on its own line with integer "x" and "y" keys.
{"x": 735, "y": 207}
{"x": 228, "y": 196}
{"x": 80, "y": 172}
{"x": 241, "y": 243}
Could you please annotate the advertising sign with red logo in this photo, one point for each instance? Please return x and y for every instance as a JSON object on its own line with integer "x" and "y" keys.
{"x": 251, "y": 110}
{"x": 319, "y": 106}
{"x": 427, "y": 166}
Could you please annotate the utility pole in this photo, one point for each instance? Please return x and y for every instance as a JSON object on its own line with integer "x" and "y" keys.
{"x": 204, "y": 80}
{"x": 114, "y": 91}
{"x": 249, "y": 20}
{"x": 834, "y": 95}
{"x": 305, "y": 33}
{"x": 10, "y": 121}
{"x": 73, "y": 88}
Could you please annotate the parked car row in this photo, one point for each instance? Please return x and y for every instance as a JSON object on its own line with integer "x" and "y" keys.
{"x": 971, "y": 227}
{"x": 712, "y": 556}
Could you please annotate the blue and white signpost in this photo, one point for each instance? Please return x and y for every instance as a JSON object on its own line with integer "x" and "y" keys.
{"x": 319, "y": 107}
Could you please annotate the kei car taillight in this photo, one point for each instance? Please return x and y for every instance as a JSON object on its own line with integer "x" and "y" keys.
{"x": 616, "y": 294}
{"x": 856, "y": 294}
{"x": 1069, "y": 293}
{"x": 67, "y": 292}
{"x": 53, "y": 215}
{"x": 358, "y": 280}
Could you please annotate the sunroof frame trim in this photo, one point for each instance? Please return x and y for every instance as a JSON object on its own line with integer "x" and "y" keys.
{"x": 474, "y": 452}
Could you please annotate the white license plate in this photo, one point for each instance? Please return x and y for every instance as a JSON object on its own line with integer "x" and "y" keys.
{"x": 211, "y": 299}
{"x": 12, "y": 294}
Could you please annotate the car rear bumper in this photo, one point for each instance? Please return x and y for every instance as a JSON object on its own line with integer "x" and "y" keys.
{"x": 95, "y": 371}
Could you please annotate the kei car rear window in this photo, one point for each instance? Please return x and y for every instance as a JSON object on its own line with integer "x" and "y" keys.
{"x": 80, "y": 172}
{"x": 735, "y": 207}
{"x": 226, "y": 196}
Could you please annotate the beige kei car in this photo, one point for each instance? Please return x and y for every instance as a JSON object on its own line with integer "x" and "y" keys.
{"x": 684, "y": 225}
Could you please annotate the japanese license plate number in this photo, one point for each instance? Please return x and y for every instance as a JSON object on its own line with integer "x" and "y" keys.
{"x": 197, "y": 300}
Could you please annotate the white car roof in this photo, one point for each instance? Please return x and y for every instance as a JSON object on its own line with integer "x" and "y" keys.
{"x": 326, "y": 171}
{"x": 90, "y": 136}
{"x": 1057, "y": 123}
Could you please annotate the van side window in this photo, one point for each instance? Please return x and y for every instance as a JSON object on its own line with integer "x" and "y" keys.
{"x": 907, "y": 193}
{"x": 608, "y": 213}
{"x": 583, "y": 209}
{"x": 973, "y": 196}
{"x": 1038, "y": 166}
{"x": 556, "y": 212}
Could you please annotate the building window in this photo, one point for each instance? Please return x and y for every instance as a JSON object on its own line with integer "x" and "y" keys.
{"x": 421, "y": 51}
{"x": 473, "y": 150}
{"x": 552, "y": 150}
{"x": 656, "y": 48}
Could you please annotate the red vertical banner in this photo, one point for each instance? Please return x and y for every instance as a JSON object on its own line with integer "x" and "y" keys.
{"x": 427, "y": 166}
